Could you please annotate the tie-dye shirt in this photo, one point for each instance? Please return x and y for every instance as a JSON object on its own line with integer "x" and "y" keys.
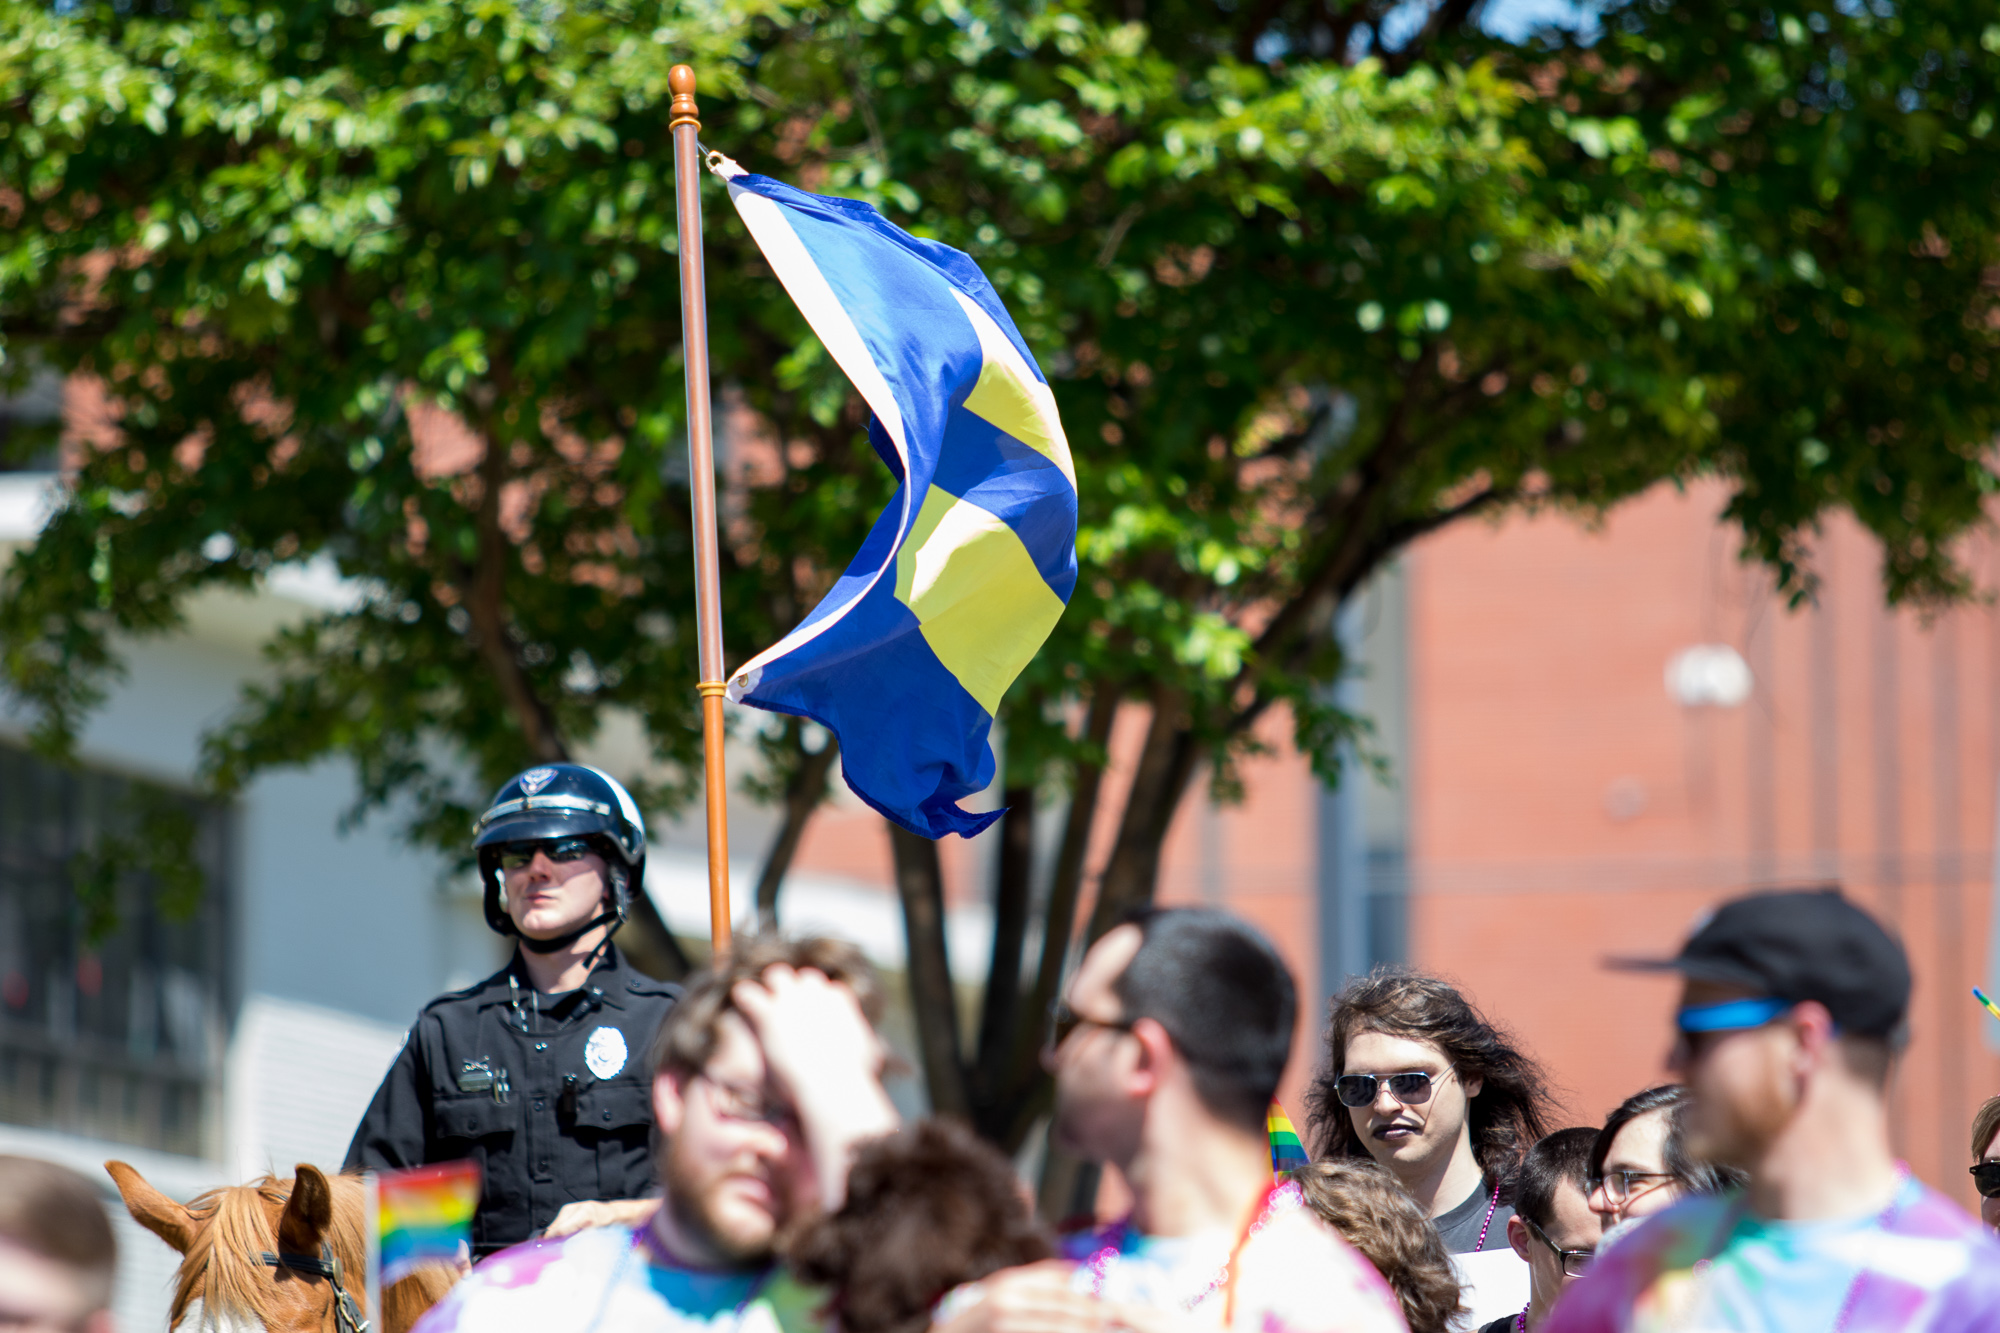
{"x": 1293, "y": 1274}
{"x": 616, "y": 1279}
{"x": 1707, "y": 1265}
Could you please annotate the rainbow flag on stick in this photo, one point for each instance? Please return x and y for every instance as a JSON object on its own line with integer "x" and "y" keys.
{"x": 1287, "y": 1153}
{"x": 421, "y": 1216}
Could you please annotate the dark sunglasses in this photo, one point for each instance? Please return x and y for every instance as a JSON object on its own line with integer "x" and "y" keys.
{"x": 1358, "y": 1090}
{"x": 1986, "y": 1179}
{"x": 1574, "y": 1262}
{"x": 1064, "y": 1020}
{"x": 517, "y": 855}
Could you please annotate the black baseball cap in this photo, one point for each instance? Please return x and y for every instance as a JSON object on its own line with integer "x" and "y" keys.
{"x": 1808, "y": 944}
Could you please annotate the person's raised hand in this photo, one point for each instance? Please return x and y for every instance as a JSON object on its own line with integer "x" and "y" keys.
{"x": 824, "y": 1058}
{"x": 1036, "y": 1298}
{"x": 811, "y": 1029}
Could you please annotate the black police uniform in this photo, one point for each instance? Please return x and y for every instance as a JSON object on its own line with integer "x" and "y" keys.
{"x": 550, "y": 1094}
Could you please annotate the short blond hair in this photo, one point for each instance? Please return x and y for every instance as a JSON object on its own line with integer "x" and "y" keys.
{"x": 687, "y": 1037}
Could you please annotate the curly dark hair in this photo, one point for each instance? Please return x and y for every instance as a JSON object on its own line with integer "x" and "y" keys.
{"x": 928, "y": 1208}
{"x": 1363, "y": 1202}
{"x": 1513, "y": 1108}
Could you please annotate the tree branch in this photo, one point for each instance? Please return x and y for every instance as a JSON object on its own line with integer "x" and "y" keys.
{"x": 933, "y": 1002}
{"x": 485, "y": 602}
{"x": 804, "y": 791}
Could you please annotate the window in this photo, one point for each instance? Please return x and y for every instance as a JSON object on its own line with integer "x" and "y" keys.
{"x": 113, "y": 895}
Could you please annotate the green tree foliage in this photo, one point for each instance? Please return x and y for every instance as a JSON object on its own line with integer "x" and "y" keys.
{"x": 1307, "y": 291}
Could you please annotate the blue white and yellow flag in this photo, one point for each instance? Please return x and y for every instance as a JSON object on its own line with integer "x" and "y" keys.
{"x": 969, "y": 568}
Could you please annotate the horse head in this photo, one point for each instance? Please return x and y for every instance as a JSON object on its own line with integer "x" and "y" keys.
{"x": 226, "y": 1282}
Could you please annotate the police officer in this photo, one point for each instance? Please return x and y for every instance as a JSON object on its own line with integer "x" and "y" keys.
{"x": 539, "y": 1072}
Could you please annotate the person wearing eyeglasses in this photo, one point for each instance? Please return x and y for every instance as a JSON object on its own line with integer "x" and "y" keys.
{"x": 1166, "y": 1052}
{"x": 1640, "y": 1163}
{"x": 765, "y": 1081}
{"x": 1986, "y": 1161}
{"x": 1416, "y": 1079}
{"x": 537, "y": 1073}
{"x": 1792, "y": 1012}
{"x": 1553, "y": 1228}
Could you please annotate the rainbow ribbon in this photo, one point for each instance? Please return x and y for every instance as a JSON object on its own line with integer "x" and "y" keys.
{"x": 424, "y": 1216}
{"x": 1287, "y": 1153}
{"x": 1991, "y": 1008}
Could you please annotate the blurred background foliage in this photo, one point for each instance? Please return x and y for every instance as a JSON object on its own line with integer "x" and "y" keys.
{"x": 392, "y": 288}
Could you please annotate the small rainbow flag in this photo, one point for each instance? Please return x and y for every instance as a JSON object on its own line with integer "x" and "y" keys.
{"x": 1287, "y": 1153}
{"x": 423, "y": 1216}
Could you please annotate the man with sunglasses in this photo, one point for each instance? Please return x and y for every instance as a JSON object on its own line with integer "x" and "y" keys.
{"x": 1552, "y": 1229}
{"x": 537, "y": 1073}
{"x": 1792, "y": 1012}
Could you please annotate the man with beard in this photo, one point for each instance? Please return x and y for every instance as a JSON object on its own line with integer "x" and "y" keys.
{"x": 1793, "y": 1008}
{"x": 766, "y": 1076}
{"x": 1166, "y": 1051}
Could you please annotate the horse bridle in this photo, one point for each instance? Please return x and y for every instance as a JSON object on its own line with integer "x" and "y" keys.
{"x": 346, "y": 1314}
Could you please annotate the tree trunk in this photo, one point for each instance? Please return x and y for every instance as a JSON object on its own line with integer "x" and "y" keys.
{"x": 933, "y": 1003}
{"x": 1069, "y": 1189}
{"x": 648, "y": 945}
{"x": 1166, "y": 763}
{"x": 486, "y": 603}
{"x": 1027, "y": 1083}
{"x": 803, "y": 794}
{"x": 1000, "y": 1015}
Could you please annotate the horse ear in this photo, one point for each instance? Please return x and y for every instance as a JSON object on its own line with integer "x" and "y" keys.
{"x": 168, "y": 1220}
{"x": 308, "y": 1214}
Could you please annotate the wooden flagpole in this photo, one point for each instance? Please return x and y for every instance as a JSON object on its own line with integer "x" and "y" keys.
{"x": 684, "y": 124}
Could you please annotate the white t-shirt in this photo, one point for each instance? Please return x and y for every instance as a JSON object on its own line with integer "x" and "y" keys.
{"x": 615, "y": 1279}
{"x": 1292, "y": 1274}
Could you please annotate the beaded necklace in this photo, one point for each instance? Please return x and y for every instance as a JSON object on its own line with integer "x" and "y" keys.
{"x": 1278, "y": 1197}
{"x": 1491, "y": 1204}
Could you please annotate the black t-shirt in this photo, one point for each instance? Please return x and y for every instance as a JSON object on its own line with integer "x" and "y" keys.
{"x": 1460, "y": 1227}
{"x": 1504, "y": 1324}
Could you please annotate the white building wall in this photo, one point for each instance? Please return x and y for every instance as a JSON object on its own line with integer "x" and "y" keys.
{"x": 337, "y": 939}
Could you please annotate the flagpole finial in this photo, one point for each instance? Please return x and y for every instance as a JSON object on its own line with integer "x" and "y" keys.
{"x": 682, "y": 111}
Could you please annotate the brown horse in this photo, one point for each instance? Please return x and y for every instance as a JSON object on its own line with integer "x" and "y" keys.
{"x": 224, "y": 1281}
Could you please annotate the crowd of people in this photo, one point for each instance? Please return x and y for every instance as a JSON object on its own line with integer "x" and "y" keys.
{"x": 781, "y": 1193}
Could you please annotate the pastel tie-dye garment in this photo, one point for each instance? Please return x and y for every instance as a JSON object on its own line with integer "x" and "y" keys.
{"x": 612, "y": 1278}
{"x": 1707, "y": 1266}
{"x": 1294, "y": 1275}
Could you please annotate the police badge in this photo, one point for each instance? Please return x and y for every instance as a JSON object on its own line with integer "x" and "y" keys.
{"x": 604, "y": 1052}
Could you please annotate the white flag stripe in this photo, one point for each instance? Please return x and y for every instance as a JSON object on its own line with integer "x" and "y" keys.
{"x": 815, "y": 299}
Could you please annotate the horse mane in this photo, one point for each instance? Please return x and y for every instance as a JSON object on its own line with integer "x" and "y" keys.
{"x": 224, "y": 1266}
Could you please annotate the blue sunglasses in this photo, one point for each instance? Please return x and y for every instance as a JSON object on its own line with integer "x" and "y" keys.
{"x": 1730, "y": 1015}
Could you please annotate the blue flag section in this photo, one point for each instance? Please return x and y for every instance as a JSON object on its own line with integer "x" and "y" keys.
{"x": 964, "y": 575}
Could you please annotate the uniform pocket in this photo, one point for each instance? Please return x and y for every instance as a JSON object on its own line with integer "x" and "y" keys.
{"x": 619, "y": 1104}
{"x": 473, "y": 1116}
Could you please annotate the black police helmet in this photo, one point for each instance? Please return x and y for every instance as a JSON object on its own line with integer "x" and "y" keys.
{"x": 563, "y": 801}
